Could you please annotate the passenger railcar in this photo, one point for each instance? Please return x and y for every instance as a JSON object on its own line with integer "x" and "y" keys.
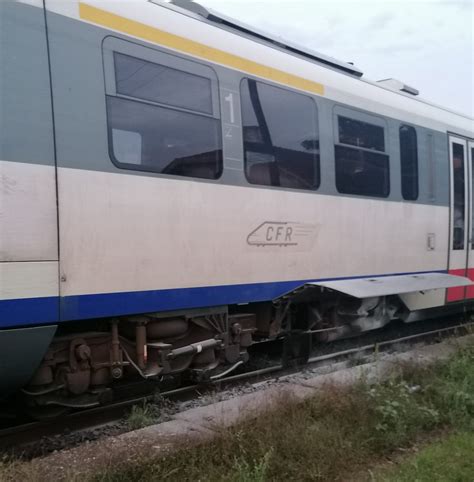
{"x": 175, "y": 185}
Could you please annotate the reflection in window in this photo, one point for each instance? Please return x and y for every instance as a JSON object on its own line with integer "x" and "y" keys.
{"x": 171, "y": 141}
{"x": 361, "y": 170}
{"x": 281, "y": 140}
{"x": 127, "y": 146}
{"x": 361, "y": 134}
{"x": 459, "y": 197}
{"x": 409, "y": 162}
{"x": 164, "y": 85}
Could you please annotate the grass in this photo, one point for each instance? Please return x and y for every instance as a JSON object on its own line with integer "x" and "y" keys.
{"x": 449, "y": 460}
{"x": 142, "y": 415}
{"x": 341, "y": 434}
{"x": 330, "y": 437}
{"x": 153, "y": 411}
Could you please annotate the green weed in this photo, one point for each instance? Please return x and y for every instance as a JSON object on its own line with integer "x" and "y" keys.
{"x": 338, "y": 433}
{"x": 142, "y": 416}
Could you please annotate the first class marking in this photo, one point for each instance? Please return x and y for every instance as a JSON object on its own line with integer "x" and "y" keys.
{"x": 152, "y": 34}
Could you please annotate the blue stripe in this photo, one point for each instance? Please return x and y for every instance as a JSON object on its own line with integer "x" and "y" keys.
{"x": 114, "y": 304}
{"x": 29, "y": 311}
{"x": 45, "y": 310}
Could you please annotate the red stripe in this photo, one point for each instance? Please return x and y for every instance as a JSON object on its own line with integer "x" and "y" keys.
{"x": 457, "y": 293}
{"x": 470, "y": 289}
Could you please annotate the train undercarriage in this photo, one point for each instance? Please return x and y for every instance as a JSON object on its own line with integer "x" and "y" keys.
{"x": 84, "y": 362}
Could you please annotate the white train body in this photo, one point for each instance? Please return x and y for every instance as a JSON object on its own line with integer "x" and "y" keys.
{"x": 84, "y": 238}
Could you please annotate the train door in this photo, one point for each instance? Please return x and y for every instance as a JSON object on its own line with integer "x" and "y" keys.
{"x": 460, "y": 250}
{"x": 470, "y": 247}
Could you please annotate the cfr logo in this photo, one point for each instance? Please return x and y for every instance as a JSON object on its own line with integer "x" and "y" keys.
{"x": 282, "y": 234}
{"x": 279, "y": 234}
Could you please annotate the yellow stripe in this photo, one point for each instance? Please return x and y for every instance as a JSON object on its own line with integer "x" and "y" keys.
{"x": 145, "y": 32}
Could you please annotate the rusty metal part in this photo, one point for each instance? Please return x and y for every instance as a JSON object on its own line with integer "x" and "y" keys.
{"x": 78, "y": 382}
{"x": 151, "y": 345}
{"x": 73, "y": 359}
{"x": 116, "y": 369}
{"x": 115, "y": 343}
{"x": 206, "y": 359}
{"x": 83, "y": 352}
{"x": 175, "y": 327}
{"x": 140, "y": 345}
{"x": 232, "y": 353}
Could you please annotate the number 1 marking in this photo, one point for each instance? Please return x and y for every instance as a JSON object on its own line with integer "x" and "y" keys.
{"x": 230, "y": 99}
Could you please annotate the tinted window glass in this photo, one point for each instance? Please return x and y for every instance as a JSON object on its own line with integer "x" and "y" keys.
{"x": 158, "y": 139}
{"x": 362, "y": 172}
{"x": 361, "y": 134}
{"x": 158, "y": 83}
{"x": 281, "y": 140}
{"x": 459, "y": 197}
{"x": 409, "y": 162}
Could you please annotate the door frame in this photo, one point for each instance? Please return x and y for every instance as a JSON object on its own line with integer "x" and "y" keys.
{"x": 460, "y": 259}
{"x": 469, "y": 294}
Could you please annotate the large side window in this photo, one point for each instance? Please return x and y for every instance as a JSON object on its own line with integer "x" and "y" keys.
{"x": 281, "y": 139}
{"x": 362, "y": 166}
{"x": 161, "y": 120}
{"x": 409, "y": 162}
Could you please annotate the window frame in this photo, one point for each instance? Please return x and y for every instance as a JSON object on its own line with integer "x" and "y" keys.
{"x": 112, "y": 45}
{"x": 317, "y": 170}
{"x": 368, "y": 118}
{"x": 410, "y": 126}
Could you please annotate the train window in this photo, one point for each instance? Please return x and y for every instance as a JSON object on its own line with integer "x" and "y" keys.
{"x": 158, "y": 83}
{"x": 409, "y": 162}
{"x": 281, "y": 138}
{"x": 168, "y": 141}
{"x": 150, "y": 131}
{"x": 361, "y": 134}
{"x": 459, "y": 197}
{"x": 362, "y": 170}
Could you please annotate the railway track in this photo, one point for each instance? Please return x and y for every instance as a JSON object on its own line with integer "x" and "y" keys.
{"x": 20, "y": 439}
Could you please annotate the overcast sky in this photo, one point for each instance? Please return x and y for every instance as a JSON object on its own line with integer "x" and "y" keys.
{"x": 428, "y": 44}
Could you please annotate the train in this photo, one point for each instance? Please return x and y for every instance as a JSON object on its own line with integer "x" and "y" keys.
{"x": 177, "y": 185}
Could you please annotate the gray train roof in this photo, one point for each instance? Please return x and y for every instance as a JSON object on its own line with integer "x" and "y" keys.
{"x": 239, "y": 27}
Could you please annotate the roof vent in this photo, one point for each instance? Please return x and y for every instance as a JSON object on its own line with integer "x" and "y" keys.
{"x": 397, "y": 85}
{"x": 236, "y": 25}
